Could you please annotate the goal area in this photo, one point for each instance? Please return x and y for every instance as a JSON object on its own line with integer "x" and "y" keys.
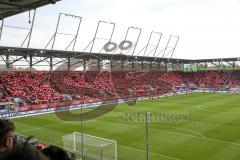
{"x": 93, "y": 148}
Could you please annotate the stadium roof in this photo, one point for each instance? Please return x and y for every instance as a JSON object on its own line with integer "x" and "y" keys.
{"x": 12, "y": 7}
{"x": 24, "y": 52}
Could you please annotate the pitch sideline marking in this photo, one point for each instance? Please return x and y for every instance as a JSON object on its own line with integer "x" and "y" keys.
{"x": 150, "y": 152}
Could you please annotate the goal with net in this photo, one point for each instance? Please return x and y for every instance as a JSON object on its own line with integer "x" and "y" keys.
{"x": 93, "y": 148}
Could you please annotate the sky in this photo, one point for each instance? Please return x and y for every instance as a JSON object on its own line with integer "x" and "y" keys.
{"x": 206, "y": 28}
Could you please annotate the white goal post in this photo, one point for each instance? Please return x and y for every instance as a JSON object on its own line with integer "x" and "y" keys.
{"x": 94, "y": 148}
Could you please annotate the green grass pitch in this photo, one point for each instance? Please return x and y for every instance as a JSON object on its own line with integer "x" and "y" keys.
{"x": 213, "y": 133}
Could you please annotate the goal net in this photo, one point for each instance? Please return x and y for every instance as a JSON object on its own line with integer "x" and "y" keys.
{"x": 93, "y": 148}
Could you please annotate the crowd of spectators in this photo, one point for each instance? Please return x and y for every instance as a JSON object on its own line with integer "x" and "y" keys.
{"x": 33, "y": 88}
{"x": 30, "y": 87}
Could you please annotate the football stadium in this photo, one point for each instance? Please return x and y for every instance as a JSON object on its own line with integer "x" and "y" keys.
{"x": 111, "y": 100}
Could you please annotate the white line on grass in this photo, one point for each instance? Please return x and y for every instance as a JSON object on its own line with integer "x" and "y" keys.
{"x": 42, "y": 141}
{"x": 227, "y": 142}
{"x": 119, "y": 145}
{"x": 150, "y": 152}
{"x": 200, "y": 107}
{"x": 189, "y": 135}
{"x": 201, "y": 135}
{"x": 44, "y": 127}
{"x": 187, "y": 130}
{"x": 204, "y": 138}
{"x": 195, "y": 132}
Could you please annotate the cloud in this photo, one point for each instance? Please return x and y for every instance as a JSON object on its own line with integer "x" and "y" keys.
{"x": 207, "y": 28}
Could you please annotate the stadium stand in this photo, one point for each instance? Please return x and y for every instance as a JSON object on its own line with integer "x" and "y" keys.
{"x": 34, "y": 88}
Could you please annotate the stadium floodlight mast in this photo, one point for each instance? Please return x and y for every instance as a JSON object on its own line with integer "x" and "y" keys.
{"x": 95, "y": 35}
{"x": 173, "y": 48}
{"x": 139, "y": 33}
{"x": 156, "y": 47}
{"x": 175, "y": 45}
{"x": 29, "y": 29}
{"x": 169, "y": 39}
{"x": 74, "y": 35}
